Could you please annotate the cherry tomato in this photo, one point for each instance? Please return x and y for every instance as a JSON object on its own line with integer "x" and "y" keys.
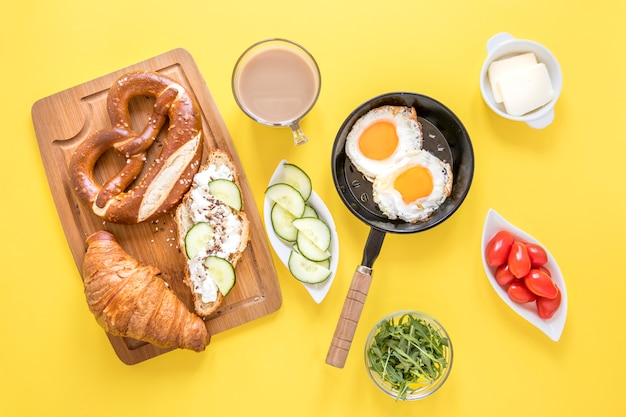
{"x": 519, "y": 261}
{"x": 503, "y": 275}
{"x": 546, "y": 307}
{"x": 538, "y": 255}
{"x": 546, "y": 270}
{"x": 518, "y": 292}
{"x": 498, "y": 248}
{"x": 541, "y": 284}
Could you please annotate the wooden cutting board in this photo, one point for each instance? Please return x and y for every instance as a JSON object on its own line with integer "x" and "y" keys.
{"x": 62, "y": 121}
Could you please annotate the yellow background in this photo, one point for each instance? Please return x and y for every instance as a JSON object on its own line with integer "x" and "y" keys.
{"x": 562, "y": 184}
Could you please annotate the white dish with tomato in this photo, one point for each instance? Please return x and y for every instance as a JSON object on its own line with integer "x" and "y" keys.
{"x": 524, "y": 274}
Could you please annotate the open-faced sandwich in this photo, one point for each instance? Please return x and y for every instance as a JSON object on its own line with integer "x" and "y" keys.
{"x": 213, "y": 230}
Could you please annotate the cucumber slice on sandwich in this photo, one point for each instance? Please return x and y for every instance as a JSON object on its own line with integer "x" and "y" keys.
{"x": 197, "y": 238}
{"x": 227, "y": 192}
{"x": 222, "y": 272}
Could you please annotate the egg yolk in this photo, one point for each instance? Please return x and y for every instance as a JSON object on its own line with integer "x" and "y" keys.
{"x": 379, "y": 140}
{"x": 414, "y": 183}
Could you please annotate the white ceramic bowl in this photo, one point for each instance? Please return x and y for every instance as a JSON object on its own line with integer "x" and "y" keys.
{"x": 317, "y": 291}
{"x": 503, "y": 45}
{"x": 553, "y": 327}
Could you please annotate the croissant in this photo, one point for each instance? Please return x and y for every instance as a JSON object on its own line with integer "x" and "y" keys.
{"x": 129, "y": 298}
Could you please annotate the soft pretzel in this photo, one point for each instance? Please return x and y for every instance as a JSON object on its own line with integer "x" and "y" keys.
{"x": 122, "y": 199}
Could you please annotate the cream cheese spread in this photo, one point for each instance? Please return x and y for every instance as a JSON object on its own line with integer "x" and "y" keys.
{"x": 226, "y": 224}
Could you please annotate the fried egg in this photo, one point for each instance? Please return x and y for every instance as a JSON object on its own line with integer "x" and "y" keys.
{"x": 414, "y": 188}
{"x": 381, "y": 138}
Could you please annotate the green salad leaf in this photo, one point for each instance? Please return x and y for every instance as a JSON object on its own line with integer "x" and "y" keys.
{"x": 408, "y": 353}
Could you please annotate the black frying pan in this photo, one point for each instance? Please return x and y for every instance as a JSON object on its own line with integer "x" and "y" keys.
{"x": 444, "y": 136}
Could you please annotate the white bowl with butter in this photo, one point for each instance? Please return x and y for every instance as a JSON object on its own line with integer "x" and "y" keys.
{"x": 520, "y": 80}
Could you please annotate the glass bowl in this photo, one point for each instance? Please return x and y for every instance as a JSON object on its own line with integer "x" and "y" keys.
{"x": 426, "y": 358}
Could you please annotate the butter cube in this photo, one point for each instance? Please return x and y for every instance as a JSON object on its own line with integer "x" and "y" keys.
{"x": 503, "y": 67}
{"x": 526, "y": 89}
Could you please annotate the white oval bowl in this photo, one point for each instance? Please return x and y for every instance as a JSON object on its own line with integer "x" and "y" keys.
{"x": 552, "y": 327}
{"x": 283, "y": 249}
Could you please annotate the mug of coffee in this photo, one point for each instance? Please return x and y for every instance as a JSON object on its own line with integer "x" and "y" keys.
{"x": 276, "y": 82}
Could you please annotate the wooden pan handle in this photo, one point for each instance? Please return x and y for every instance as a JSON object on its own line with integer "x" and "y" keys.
{"x": 349, "y": 318}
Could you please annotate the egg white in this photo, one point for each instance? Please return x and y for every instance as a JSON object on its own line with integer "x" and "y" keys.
{"x": 390, "y": 200}
{"x": 408, "y": 130}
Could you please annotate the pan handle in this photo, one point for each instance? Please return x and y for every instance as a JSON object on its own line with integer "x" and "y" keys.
{"x": 349, "y": 318}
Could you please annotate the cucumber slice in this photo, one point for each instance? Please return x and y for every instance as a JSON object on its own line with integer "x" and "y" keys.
{"x": 287, "y": 197}
{"x": 282, "y": 223}
{"x": 325, "y": 263}
{"x": 222, "y": 273}
{"x": 306, "y": 271}
{"x": 314, "y": 229}
{"x": 310, "y": 212}
{"x": 227, "y": 192}
{"x": 310, "y": 250}
{"x": 197, "y": 238}
{"x": 296, "y": 177}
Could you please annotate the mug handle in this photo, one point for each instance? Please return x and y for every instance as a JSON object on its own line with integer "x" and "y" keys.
{"x": 298, "y": 135}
